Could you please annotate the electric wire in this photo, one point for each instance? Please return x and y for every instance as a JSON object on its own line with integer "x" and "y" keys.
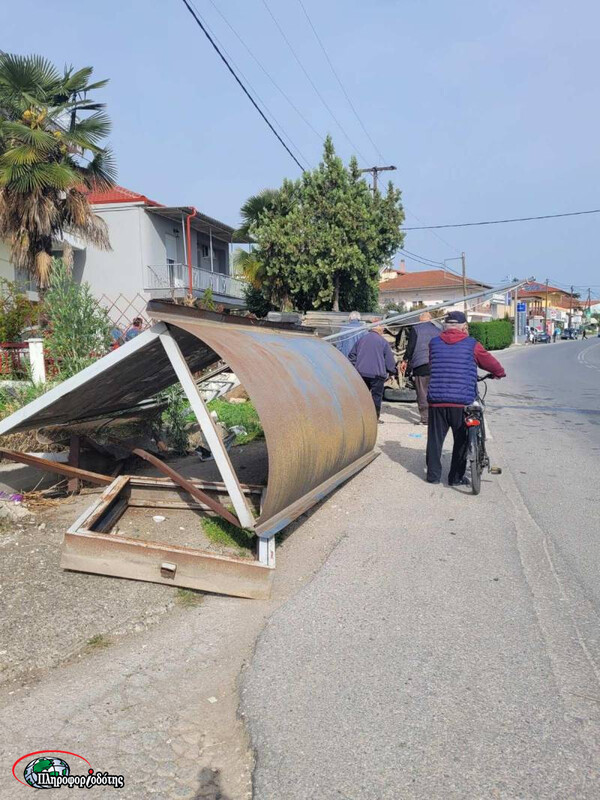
{"x": 338, "y": 79}
{"x": 263, "y": 68}
{"x": 502, "y": 221}
{"x": 201, "y": 25}
{"x": 251, "y": 87}
{"x": 310, "y": 80}
{"x": 422, "y": 259}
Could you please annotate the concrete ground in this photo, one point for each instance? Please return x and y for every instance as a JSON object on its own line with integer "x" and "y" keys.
{"x": 420, "y": 642}
{"x": 449, "y": 646}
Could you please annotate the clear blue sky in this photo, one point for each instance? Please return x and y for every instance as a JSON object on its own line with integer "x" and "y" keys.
{"x": 489, "y": 109}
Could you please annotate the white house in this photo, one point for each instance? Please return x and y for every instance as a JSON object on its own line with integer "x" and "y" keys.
{"x": 149, "y": 252}
{"x": 149, "y": 255}
{"x": 433, "y": 286}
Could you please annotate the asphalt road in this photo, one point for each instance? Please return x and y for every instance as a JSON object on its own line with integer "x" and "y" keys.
{"x": 449, "y": 646}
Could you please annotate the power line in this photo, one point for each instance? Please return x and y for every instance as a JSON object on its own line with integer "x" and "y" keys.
{"x": 244, "y": 89}
{"x": 502, "y": 221}
{"x": 269, "y": 76}
{"x": 250, "y": 86}
{"x": 421, "y": 259}
{"x": 425, "y": 227}
{"x": 338, "y": 79}
{"x": 310, "y": 80}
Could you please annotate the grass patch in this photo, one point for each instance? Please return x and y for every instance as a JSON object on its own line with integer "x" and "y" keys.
{"x": 244, "y": 414}
{"x": 98, "y": 642}
{"x": 188, "y": 597}
{"x": 219, "y": 531}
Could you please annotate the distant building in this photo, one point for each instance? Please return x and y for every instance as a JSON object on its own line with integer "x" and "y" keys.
{"x": 563, "y": 308}
{"x": 432, "y": 286}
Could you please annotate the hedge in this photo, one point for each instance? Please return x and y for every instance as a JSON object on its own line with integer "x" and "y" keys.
{"x": 494, "y": 335}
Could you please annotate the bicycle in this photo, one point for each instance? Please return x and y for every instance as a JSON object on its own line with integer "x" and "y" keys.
{"x": 477, "y": 456}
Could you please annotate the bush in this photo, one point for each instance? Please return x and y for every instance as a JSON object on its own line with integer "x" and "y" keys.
{"x": 494, "y": 335}
{"x": 78, "y": 328}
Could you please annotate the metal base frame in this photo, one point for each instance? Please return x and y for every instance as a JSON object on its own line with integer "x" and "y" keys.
{"x": 90, "y": 547}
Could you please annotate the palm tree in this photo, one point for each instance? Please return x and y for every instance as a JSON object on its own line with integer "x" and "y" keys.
{"x": 254, "y": 207}
{"x": 51, "y": 156}
{"x": 246, "y": 263}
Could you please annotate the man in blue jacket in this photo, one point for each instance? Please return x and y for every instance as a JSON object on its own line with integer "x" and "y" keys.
{"x": 453, "y": 357}
{"x": 373, "y": 358}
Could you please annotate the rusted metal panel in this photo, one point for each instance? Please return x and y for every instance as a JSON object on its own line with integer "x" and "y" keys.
{"x": 317, "y": 414}
{"x": 118, "y": 556}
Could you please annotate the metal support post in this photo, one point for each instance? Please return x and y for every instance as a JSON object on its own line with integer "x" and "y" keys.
{"x": 266, "y": 551}
{"x": 207, "y": 425}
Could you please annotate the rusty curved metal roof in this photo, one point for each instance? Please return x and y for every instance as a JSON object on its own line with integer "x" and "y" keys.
{"x": 316, "y": 412}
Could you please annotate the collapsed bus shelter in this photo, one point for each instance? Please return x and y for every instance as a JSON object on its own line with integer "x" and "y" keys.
{"x": 318, "y": 419}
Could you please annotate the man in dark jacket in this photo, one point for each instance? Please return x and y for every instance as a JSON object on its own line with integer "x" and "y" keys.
{"x": 416, "y": 359}
{"x": 453, "y": 357}
{"x": 373, "y": 358}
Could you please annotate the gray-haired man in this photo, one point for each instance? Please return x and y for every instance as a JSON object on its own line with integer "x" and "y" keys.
{"x": 417, "y": 359}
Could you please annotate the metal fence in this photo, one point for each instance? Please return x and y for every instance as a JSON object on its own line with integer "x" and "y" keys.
{"x": 176, "y": 277}
{"x": 14, "y": 358}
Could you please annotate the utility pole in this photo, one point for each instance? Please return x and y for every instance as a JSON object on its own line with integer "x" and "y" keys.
{"x": 546, "y": 311}
{"x": 375, "y": 172}
{"x": 570, "y": 307}
{"x": 464, "y": 280}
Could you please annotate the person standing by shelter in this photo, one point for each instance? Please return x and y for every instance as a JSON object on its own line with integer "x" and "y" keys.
{"x": 454, "y": 357}
{"x": 352, "y": 330}
{"x": 416, "y": 359}
{"x": 373, "y": 358}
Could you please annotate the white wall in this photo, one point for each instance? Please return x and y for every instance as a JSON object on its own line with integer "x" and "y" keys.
{"x": 120, "y": 270}
{"x": 6, "y": 268}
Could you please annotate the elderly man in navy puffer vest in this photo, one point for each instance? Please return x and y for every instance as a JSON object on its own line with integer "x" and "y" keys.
{"x": 453, "y": 357}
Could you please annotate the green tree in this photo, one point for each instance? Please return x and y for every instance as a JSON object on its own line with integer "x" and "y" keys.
{"x": 323, "y": 238}
{"x": 78, "y": 328}
{"x": 51, "y": 153}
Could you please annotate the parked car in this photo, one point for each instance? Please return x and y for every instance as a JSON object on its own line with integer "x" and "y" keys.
{"x": 541, "y": 337}
{"x": 569, "y": 333}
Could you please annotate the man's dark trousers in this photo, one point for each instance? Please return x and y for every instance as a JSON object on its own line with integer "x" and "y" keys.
{"x": 422, "y": 387}
{"x": 440, "y": 419}
{"x": 376, "y": 388}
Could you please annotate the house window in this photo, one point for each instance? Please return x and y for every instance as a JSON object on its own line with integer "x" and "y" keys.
{"x": 204, "y": 251}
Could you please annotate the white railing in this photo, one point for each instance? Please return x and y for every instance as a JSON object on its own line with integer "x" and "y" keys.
{"x": 176, "y": 276}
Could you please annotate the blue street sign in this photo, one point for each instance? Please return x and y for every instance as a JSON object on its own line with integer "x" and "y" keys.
{"x": 521, "y": 306}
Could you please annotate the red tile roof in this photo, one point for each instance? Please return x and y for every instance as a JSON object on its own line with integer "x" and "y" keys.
{"x": 425, "y": 279}
{"x": 118, "y": 194}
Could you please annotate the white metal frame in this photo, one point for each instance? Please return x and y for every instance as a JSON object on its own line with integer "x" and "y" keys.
{"x": 209, "y": 430}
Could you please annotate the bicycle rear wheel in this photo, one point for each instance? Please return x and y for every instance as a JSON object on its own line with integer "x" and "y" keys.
{"x": 474, "y": 458}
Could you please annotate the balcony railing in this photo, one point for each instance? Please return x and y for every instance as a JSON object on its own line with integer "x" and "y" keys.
{"x": 176, "y": 277}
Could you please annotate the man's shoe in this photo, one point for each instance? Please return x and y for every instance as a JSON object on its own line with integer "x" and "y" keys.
{"x": 461, "y": 482}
